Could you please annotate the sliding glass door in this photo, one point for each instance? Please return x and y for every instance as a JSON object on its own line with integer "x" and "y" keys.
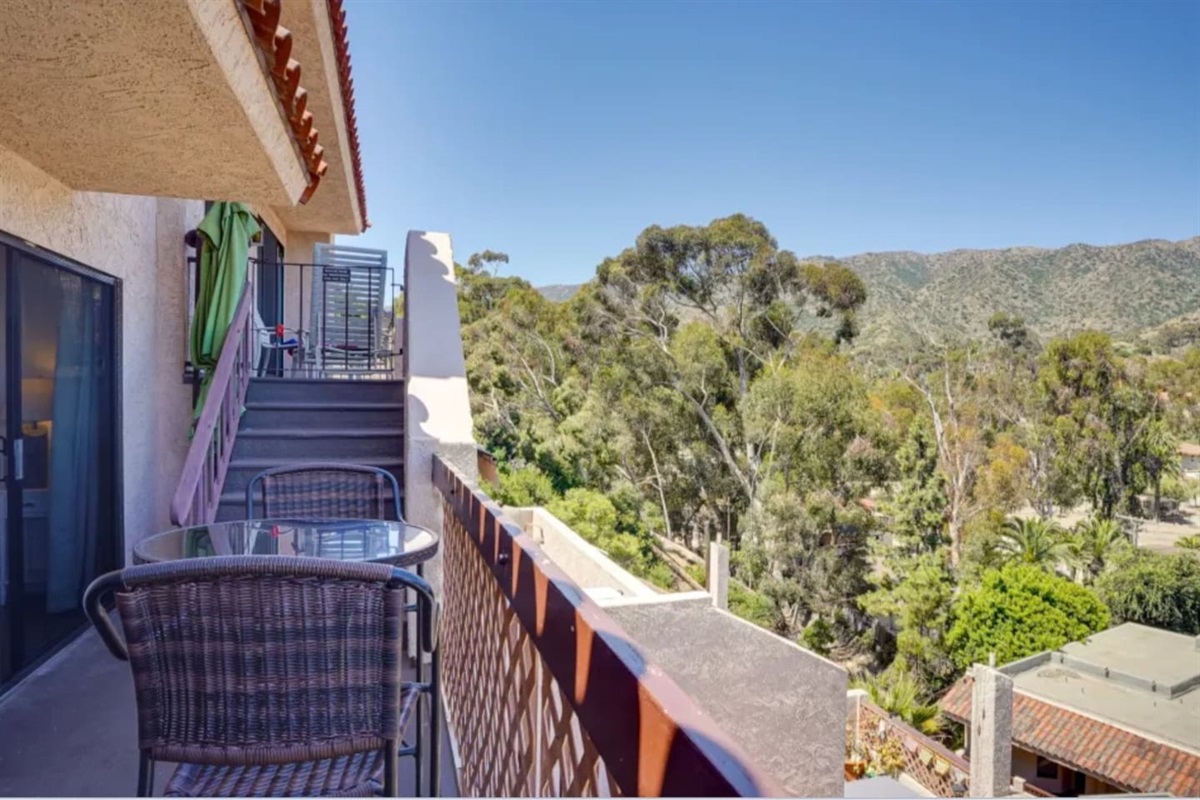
{"x": 59, "y": 514}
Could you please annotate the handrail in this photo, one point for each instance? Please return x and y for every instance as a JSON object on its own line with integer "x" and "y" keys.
{"x": 199, "y": 490}
{"x": 545, "y": 694}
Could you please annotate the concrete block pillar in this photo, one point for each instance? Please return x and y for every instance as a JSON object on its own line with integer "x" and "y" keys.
{"x": 991, "y": 732}
{"x": 718, "y": 574}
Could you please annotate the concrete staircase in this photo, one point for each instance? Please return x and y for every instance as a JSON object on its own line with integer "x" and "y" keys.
{"x": 288, "y": 421}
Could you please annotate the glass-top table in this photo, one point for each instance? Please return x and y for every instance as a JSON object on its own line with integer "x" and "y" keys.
{"x": 400, "y": 544}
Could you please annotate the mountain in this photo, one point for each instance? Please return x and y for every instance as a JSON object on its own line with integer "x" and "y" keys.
{"x": 559, "y": 291}
{"x": 1121, "y": 289}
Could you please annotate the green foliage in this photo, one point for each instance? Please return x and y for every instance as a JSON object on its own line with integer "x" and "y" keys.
{"x": 1010, "y": 329}
{"x": 819, "y": 636}
{"x": 1093, "y": 544}
{"x": 528, "y": 486}
{"x": 704, "y": 386}
{"x": 1032, "y": 541}
{"x": 1020, "y": 610}
{"x": 916, "y": 593}
{"x": 1107, "y": 426}
{"x": 919, "y": 510}
{"x": 982, "y": 551}
{"x": 752, "y": 606}
{"x": 592, "y": 515}
{"x": 1189, "y": 542}
{"x": 1179, "y": 488}
{"x": 1155, "y": 589}
{"x": 901, "y": 694}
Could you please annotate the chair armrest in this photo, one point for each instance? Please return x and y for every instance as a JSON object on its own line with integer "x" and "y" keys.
{"x": 93, "y": 607}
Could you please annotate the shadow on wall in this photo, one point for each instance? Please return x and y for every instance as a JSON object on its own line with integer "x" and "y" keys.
{"x": 432, "y": 335}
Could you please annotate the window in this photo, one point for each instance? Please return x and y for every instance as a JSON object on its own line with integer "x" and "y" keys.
{"x": 1047, "y": 768}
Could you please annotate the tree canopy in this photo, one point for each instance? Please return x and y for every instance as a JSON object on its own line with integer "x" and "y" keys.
{"x": 901, "y": 512}
{"x": 1155, "y": 589}
{"x": 1018, "y": 611}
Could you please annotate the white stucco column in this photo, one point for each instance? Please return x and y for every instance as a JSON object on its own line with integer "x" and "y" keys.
{"x": 991, "y": 732}
{"x": 437, "y": 411}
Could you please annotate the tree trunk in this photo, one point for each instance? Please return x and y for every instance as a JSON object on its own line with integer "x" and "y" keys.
{"x": 1157, "y": 496}
{"x": 658, "y": 483}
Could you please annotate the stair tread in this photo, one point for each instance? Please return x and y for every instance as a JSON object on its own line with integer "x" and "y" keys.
{"x": 315, "y": 433}
{"x": 370, "y": 461}
{"x": 239, "y": 496}
{"x": 328, "y": 382}
{"x": 320, "y": 405}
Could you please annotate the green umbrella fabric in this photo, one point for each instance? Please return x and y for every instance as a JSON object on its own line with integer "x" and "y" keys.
{"x": 225, "y": 235}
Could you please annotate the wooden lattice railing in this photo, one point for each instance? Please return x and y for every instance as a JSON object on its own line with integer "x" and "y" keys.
{"x": 931, "y": 764}
{"x": 199, "y": 490}
{"x": 544, "y": 693}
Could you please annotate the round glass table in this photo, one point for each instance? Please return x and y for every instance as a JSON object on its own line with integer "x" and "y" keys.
{"x": 397, "y": 543}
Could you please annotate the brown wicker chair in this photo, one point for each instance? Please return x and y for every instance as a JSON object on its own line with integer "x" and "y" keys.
{"x": 268, "y": 675}
{"x": 324, "y": 490}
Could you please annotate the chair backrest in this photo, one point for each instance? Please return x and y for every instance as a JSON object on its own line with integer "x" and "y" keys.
{"x": 323, "y": 491}
{"x": 262, "y": 659}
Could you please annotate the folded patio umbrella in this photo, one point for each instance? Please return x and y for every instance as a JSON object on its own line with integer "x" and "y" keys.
{"x": 225, "y": 235}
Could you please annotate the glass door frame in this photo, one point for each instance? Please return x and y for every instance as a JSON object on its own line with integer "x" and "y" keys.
{"x": 11, "y": 389}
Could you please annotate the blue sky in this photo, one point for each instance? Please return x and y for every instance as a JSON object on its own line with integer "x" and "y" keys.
{"x": 557, "y": 131}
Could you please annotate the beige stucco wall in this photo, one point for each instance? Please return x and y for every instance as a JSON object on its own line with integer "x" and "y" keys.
{"x": 140, "y": 241}
{"x": 299, "y": 250}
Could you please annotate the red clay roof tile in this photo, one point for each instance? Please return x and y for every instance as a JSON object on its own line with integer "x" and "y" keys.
{"x": 275, "y": 43}
{"x": 1123, "y": 758}
{"x": 341, "y": 46}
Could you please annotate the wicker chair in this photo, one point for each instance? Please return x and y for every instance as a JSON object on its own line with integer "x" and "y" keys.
{"x": 321, "y": 490}
{"x": 269, "y": 675}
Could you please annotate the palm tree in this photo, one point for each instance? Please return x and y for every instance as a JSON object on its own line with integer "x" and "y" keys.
{"x": 1034, "y": 541}
{"x": 898, "y": 693}
{"x": 1093, "y": 545}
{"x": 1159, "y": 458}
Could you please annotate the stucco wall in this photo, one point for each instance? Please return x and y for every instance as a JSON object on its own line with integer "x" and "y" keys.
{"x": 140, "y": 241}
{"x": 584, "y": 563}
{"x": 299, "y": 250}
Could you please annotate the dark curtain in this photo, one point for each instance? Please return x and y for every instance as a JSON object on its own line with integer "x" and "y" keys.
{"x": 76, "y": 512}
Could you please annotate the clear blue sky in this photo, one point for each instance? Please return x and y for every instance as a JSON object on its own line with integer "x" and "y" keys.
{"x": 557, "y": 131}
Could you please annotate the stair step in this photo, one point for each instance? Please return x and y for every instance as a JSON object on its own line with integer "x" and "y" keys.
{"x": 305, "y": 414}
{"x": 306, "y": 390}
{"x": 319, "y": 433}
{"x": 319, "y": 444}
{"x": 318, "y": 405}
{"x": 242, "y": 470}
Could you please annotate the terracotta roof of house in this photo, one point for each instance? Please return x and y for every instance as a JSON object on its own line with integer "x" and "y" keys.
{"x": 341, "y": 45}
{"x": 275, "y": 43}
{"x": 1189, "y": 449}
{"x": 1118, "y": 756}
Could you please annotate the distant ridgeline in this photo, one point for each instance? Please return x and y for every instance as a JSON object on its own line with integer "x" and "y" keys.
{"x": 1146, "y": 294}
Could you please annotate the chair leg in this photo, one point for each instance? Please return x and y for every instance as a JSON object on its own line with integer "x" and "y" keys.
{"x": 391, "y": 770}
{"x": 435, "y": 729}
{"x": 145, "y": 787}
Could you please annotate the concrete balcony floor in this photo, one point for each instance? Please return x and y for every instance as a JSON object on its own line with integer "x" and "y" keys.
{"x": 68, "y": 730}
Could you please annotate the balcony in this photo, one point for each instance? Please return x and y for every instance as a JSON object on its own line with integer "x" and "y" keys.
{"x": 548, "y": 688}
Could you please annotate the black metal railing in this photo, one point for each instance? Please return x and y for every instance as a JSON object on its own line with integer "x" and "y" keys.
{"x": 325, "y": 321}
